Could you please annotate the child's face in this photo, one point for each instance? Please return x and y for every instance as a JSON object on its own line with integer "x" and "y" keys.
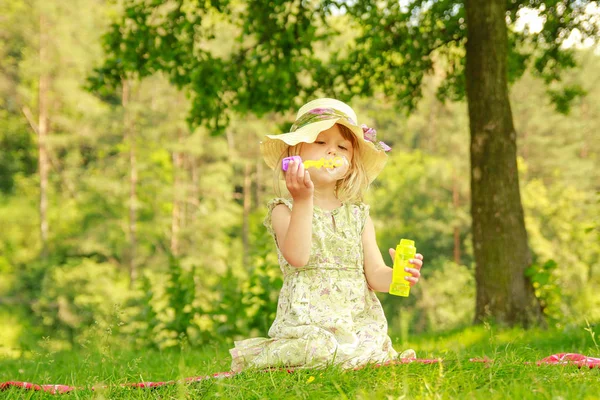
{"x": 330, "y": 143}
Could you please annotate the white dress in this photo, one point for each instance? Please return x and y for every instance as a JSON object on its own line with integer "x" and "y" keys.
{"x": 326, "y": 313}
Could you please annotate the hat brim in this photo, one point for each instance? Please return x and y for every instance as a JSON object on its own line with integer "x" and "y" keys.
{"x": 273, "y": 148}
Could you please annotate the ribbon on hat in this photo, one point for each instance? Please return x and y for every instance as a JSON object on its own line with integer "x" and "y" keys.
{"x": 319, "y": 114}
{"x": 323, "y": 114}
{"x": 370, "y": 134}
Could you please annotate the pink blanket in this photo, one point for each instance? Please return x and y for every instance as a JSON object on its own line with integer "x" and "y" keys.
{"x": 578, "y": 360}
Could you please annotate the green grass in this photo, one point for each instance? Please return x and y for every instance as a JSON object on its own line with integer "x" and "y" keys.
{"x": 508, "y": 376}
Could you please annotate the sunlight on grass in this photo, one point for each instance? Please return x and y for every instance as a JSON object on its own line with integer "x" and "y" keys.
{"x": 511, "y": 371}
{"x": 457, "y": 341}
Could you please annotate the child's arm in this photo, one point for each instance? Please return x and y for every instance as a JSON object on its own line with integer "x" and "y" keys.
{"x": 379, "y": 275}
{"x": 293, "y": 229}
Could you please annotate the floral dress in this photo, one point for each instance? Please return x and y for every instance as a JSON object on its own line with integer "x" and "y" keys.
{"x": 326, "y": 312}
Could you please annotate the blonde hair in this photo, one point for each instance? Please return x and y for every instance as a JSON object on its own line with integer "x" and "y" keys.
{"x": 351, "y": 188}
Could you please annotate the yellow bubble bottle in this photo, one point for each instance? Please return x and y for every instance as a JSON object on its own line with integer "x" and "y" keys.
{"x": 405, "y": 251}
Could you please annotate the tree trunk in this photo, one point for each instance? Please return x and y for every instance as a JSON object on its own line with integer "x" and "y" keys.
{"x": 259, "y": 176}
{"x": 499, "y": 237}
{"x": 195, "y": 189}
{"x": 129, "y": 133}
{"x": 43, "y": 128}
{"x": 176, "y": 217}
{"x": 246, "y": 219}
{"x": 456, "y": 204}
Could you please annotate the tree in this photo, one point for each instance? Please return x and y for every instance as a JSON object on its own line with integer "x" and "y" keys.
{"x": 500, "y": 239}
{"x": 410, "y": 40}
{"x": 279, "y": 56}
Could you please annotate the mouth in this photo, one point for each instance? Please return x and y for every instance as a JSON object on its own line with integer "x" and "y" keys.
{"x": 337, "y": 166}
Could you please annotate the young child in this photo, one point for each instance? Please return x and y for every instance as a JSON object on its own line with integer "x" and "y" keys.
{"x": 327, "y": 312}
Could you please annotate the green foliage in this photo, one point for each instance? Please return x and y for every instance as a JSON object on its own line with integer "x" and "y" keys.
{"x": 207, "y": 294}
{"x": 143, "y": 324}
{"x": 272, "y": 63}
{"x": 412, "y": 200}
{"x": 448, "y": 296}
{"x": 565, "y": 251}
{"x": 262, "y": 57}
{"x": 180, "y": 294}
{"x": 547, "y": 289}
{"x": 254, "y": 62}
{"x": 261, "y": 289}
{"x": 17, "y": 156}
{"x": 73, "y": 296}
{"x": 226, "y": 308}
{"x": 245, "y": 303}
{"x": 238, "y": 304}
{"x": 564, "y": 98}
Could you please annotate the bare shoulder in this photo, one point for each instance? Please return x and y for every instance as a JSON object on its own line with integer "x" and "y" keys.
{"x": 369, "y": 230}
{"x": 372, "y": 256}
{"x": 373, "y": 260}
{"x": 280, "y": 220}
{"x": 281, "y": 211}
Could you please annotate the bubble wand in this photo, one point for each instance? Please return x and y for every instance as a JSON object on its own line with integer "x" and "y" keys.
{"x": 328, "y": 163}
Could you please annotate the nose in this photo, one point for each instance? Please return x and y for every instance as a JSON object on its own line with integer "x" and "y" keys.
{"x": 331, "y": 150}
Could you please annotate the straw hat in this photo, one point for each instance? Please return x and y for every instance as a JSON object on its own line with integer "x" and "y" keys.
{"x": 317, "y": 116}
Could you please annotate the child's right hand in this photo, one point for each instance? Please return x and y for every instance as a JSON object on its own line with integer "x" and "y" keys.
{"x": 298, "y": 182}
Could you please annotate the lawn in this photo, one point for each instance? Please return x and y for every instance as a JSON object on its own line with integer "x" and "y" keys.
{"x": 512, "y": 373}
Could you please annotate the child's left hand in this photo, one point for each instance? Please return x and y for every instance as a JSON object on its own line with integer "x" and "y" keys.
{"x": 417, "y": 262}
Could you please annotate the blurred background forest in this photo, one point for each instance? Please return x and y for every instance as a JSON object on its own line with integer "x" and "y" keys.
{"x": 152, "y": 231}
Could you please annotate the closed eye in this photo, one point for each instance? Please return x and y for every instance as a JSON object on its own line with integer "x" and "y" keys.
{"x": 342, "y": 147}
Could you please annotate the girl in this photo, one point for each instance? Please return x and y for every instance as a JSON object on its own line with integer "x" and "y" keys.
{"x": 327, "y": 312}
